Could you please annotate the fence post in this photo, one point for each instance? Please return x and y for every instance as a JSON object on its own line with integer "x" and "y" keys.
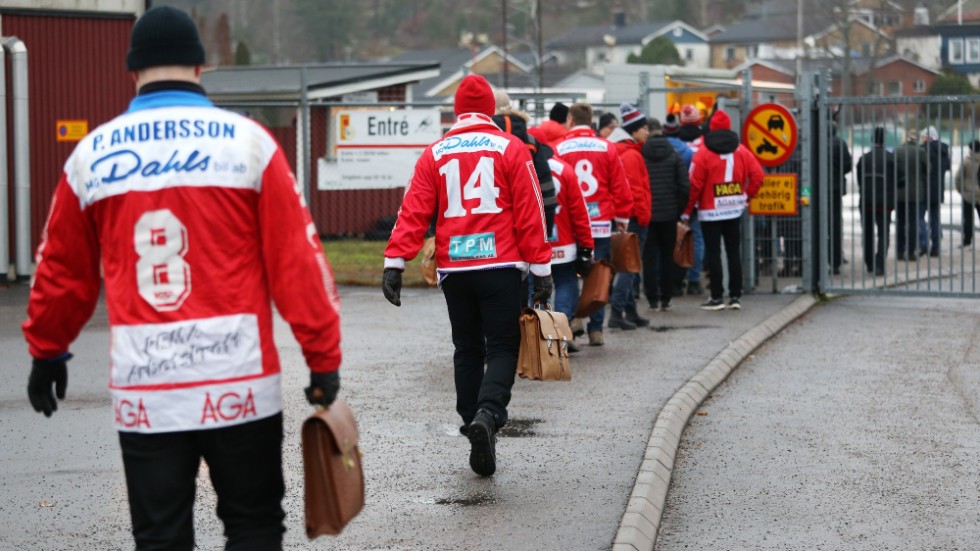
{"x": 303, "y": 158}
{"x": 807, "y": 145}
{"x": 748, "y": 233}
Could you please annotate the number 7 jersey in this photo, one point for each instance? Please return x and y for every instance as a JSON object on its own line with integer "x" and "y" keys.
{"x": 196, "y": 221}
{"x": 481, "y": 184}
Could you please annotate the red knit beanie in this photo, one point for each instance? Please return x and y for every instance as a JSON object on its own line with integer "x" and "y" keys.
{"x": 474, "y": 95}
{"x": 720, "y": 121}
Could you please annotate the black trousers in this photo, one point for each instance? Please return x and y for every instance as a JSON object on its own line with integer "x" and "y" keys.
{"x": 907, "y": 229}
{"x": 875, "y": 219}
{"x": 731, "y": 232}
{"x": 245, "y": 464}
{"x": 660, "y": 274}
{"x": 484, "y": 311}
{"x": 967, "y": 213}
{"x": 836, "y": 231}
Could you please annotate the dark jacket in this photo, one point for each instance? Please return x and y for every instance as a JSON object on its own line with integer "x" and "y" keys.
{"x": 841, "y": 163}
{"x": 669, "y": 186}
{"x": 689, "y": 132}
{"x": 878, "y": 178}
{"x": 912, "y": 162}
{"x": 939, "y": 165}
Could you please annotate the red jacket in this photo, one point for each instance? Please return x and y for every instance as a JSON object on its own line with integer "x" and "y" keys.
{"x": 480, "y": 182}
{"x": 724, "y": 174}
{"x": 572, "y": 216}
{"x": 196, "y": 222}
{"x": 630, "y": 152}
{"x": 600, "y": 174}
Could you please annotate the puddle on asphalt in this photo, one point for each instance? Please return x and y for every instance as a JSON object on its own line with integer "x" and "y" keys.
{"x": 467, "y": 501}
{"x": 519, "y": 428}
{"x": 665, "y": 328}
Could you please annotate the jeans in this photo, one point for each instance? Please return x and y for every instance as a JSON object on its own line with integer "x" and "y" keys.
{"x": 624, "y": 288}
{"x": 566, "y": 289}
{"x": 731, "y": 232}
{"x": 931, "y": 232}
{"x": 694, "y": 272}
{"x": 245, "y": 465}
{"x": 484, "y": 311}
{"x": 600, "y": 252}
{"x": 659, "y": 270}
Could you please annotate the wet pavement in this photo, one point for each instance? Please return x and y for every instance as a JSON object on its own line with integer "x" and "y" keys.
{"x": 567, "y": 461}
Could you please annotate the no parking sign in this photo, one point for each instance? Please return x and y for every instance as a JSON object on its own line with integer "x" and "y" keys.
{"x": 770, "y": 132}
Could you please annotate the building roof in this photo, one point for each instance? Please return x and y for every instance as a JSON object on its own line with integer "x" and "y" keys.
{"x": 771, "y": 28}
{"x": 637, "y": 33}
{"x": 456, "y": 62}
{"x": 859, "y": 65}
{"x": 284, "y": 83}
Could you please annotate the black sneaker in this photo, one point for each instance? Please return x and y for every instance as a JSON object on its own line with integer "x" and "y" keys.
{"x": 618, "y": 321}
{"x": 665, "y": 306}
{"x": 734, "y": 303}
{"x": 695, "y": 288}
{"x": 482, "y": 435}
{"x": 633, "y": 317}
{"x": 572, "y": 349}
{"x": 713, "y": 304}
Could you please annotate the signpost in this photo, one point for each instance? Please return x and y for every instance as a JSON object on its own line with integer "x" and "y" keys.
{"x": 377, "y": 148}
{"x": 770, "y": 133}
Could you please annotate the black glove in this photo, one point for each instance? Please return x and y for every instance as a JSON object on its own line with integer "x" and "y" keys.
{"x": 323, "y": 388}
{"x": 543, "y": 287}
{"x": 44, "y": 373}
{"x": 391, "y": 285}
{"x": 583, "y": 263}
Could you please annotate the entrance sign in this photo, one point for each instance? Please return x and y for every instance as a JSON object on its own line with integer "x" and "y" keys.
{"x": 377, "y": 148}
{"x": 776, "y": 197}
{"x": 770, "y": 132}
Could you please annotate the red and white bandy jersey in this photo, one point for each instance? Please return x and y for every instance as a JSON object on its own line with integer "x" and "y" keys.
{"x": 197, "y": 220}
{"x": 601, "y": 177}
{"x": 481, "y": 184}
{"x": 572, "y": 228}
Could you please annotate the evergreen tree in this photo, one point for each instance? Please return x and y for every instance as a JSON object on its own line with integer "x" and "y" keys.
{"x": 659, "y": 51}
{"x": 242, "y": 54}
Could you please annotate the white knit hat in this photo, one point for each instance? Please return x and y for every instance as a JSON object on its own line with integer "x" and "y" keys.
{"x": 632, "y": 118}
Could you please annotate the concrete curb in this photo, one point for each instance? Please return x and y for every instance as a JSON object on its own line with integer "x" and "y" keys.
{"x": 641, "y": 521}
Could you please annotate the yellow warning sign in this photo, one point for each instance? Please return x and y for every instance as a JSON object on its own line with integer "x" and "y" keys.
{"x": 770, "y": 132}
{"x": 776, "y": 197}
{"x": 70, "y": 130}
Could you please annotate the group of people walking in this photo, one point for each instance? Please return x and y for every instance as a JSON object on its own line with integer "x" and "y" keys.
{"x": 508, "y": 199}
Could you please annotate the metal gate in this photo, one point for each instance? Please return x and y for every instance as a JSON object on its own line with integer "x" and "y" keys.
{"x": 887, "y": 212}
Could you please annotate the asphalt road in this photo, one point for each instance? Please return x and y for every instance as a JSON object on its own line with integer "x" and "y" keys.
{"x": 567, "y": 460}
{"x": 856, "y": 428}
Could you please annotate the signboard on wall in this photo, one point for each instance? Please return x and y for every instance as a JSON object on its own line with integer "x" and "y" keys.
{"x": 70, "y": 130}
{"x": 376, "y": 148}
{"x": 776, "y": 197}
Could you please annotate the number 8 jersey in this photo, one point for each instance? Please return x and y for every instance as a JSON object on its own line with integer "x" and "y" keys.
{"x": 197, "y": 221}
{"x": 601, "y": 176}
{"x": 480, "y": 183}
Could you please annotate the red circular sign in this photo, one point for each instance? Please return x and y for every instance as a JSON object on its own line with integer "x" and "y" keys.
{"x": 770, "y": 133}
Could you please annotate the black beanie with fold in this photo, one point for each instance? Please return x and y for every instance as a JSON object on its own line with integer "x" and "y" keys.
{"x": 164, "y": 36}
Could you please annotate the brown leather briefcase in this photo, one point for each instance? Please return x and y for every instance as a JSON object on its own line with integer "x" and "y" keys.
{"x": 545, "y": 336}
{"x": 332, "y": 470}
{"x": 684, "y": 246}
{"x": 428, "y": 262}
{"x": 595, "y": 289}
{"x": 626, "y": 255}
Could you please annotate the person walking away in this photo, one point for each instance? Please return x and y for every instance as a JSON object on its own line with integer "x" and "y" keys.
{"x": 601, "y": 177}
{"x": 628, "y": 140}
{"x": 912, "y": 192}
{"x": 669, "y": 192}
{"x": 878, "y": 178}
{"x": 691, "y": 134}
{"x": 490, "y": 231}
{"x": 724, "y": 175}
{"x": 558, "y": 123}
{"x": 841, "y": 164}
{"x": 191, "y": 256}
{"x": 968, "y": 186}
{"x": 939, "y": 165}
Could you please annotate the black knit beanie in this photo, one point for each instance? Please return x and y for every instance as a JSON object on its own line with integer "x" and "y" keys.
{"x": 164, "y": 36}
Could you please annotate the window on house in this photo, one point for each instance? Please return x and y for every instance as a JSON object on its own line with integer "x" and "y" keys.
{"x": 920, "y": 86}
{"x": 729, "y": 53}
{"x": 894, "y": 88}
{"x": 678, "y": 31}
{"x": 956, "y": 51}
{"x": 865, "y": 49}
{"x": 688, "y": 54}
{"x": 752, "y": 50}
{"x": 973, "y": 50}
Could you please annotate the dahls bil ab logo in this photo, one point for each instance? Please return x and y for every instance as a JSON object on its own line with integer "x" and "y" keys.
{"x": 228, "y": 407}
{"x": 130, "y": 415}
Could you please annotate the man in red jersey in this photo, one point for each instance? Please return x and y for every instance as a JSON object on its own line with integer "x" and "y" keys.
{"x": 191, "y": 252}
{"x": 724, "y": 175}
{"x": 600, "y": 175}
{"x": 490, "y": 231}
